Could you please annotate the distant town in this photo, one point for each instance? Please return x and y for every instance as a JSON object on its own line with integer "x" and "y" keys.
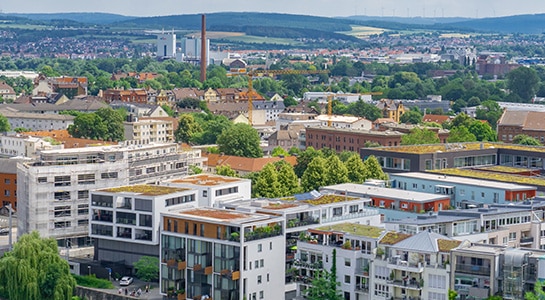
{"x": 403, "y": 165}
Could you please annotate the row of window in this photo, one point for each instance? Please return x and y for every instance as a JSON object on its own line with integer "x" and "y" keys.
{"x": 82, "y": 179}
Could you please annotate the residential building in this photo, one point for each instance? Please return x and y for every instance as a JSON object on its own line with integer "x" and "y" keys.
{"x": 439, "y": 119}
{"x": 8, "y": 182}
{"x": 25, "y": 146}
{"x": 431, "y": 102}
{"x": 214, "y": 190}
{"x": 211, "y": 253}
{"x": 65, "y": 139}
{"x": 145, "y": 131}
{"x": 243, "y": 165}
{"x": 296, "y": 120}
{"x": 130, "y": 95}
{"x": 391, "y": 109}
{"x": 53, "y": 190}
{"x": 344, "y": 122}
{"x": 38, "y": 121}
{"x": 7, "y": 92}
{"x": 441, "y": 133}
{"x": 286, "y": 139}
{"x": 349, "y": 139}
{"x": 140, "y": 110}
{"x": 124, "y": 221}
{"x": 463, "y": 190}
{"x": 513, "y": 123}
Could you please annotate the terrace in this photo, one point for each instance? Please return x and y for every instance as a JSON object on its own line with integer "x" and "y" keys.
{"x": 206, "y": 180}
{"x": 496, "y": 176}
{"x": 423, "y": 149}
{"x": 144, "y": 189}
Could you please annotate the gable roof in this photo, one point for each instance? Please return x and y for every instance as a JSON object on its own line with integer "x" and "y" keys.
{"x": 245, "y": 164}
{"x": 440, "y": 119}
{"x": 426, "y": 241}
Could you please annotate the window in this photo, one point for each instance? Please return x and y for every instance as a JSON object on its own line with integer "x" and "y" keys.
{"x": 205, "y": 193}
{"x": 83, "y": 209}
{"x": 256, "y": 264}
{"x": 512, "y": 236}
{"x": 437, "y": 281}
{"x": 261, "y": 295}
{"x": 62, "y": 211}
{"x": 258, "y": 279}
{"x": 261, "y": 263}
{"x": 346, "y": 278}
{"x": 259, "y": 247}
{"x": 436, "y": 296}
{"x": 337, "y": 211}
{"x": 268, "y": 277}
{"x": 83, "y": 194}
{"x": 145, "y": 220}
{"x": 42, "y": 179}
{"x": 347, "y": 262}
{"x": 6, "y": 181}
{"x": 62, "y": 181}
{"x": 270, "y": 245}
{"x": 108, "y": 175}
{"x": 143, "y": 204}
{"x": 6, "y": 193}
{"x": 86, "y": 179}
{"x": 61, "y": 196}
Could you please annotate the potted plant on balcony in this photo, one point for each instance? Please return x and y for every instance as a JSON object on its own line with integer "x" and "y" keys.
{"x": 235, "y": 236}
{"x": 366, "y": 270}
{"x": 392, "y": 275}
{"x": 347, "y": 245}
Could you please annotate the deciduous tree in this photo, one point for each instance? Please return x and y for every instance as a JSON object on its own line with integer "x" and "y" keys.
{"x": 4, "y": 124}
{"x": 187, "y": 128}
{"x": 523, "y": 82}
{"x": 267, "y": 184}
{"x": 240, "y": 140}
{"x": 356, "y": 169}
{"x": 315, "y": 175}
{"x": 522, "y": 139}
{"x": 226, "y": 170}
{"x": 287, "y": 178}
{"x": 419, "y": 136}
{"x": 147, "y": 268}
{"x": 373, "y": 170}
{"x": 460, "y": 134}
{"x": 336, "y": 171}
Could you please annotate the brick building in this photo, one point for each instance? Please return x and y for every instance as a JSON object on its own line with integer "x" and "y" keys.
{"x": 513, "y": 123}
{"x": 130, "y": 95}
{"x": 341, "y": 139}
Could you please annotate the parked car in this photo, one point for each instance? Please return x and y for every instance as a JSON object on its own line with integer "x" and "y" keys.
{"x": 126, "y": 280}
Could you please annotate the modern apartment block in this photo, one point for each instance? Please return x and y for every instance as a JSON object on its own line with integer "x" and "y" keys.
{"x": 53, "y": 190}
{"x": 124, "y": 221}
{"x": 209, "y": 253}
{"x": 146, "y": 131}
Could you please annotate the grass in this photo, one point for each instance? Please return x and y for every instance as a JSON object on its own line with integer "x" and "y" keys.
{"x": 363, "y": 31}
{"x": 508, "y": 178}
{"x": 503, "y": 169}
{"x": 93, "y": 282}
{"x": 393, "y": 238}
{"x": 263, "y": 40}
{"x": 421, "y": 149}
{"x": 328, "y": 199}
{"x": 354, "y": 229}
{"x": 144, "y": 189}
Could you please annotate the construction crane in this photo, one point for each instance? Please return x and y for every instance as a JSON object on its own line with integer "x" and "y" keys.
{"x": 266, "y": 73}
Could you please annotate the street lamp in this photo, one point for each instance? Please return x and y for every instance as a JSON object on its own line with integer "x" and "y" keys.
{"x": 89, "y": 269}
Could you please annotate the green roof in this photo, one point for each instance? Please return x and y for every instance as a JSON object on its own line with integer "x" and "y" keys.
{"x": 354, "y": 229}
{"x": 144, "y": 189}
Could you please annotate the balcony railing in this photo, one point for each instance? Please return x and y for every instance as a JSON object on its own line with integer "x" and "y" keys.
{"x": 362, "y": 288}
{"x": 473, "y": 269}
{"x": 526, "y": 240}
{"x": 305, "y": 222}
{"x": 406, "y": 284}
{"x": 365, "y": 213}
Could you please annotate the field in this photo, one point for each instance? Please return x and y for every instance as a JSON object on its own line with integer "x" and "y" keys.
{"x": 363, "y": 31}
{"x": 262, "y": 40}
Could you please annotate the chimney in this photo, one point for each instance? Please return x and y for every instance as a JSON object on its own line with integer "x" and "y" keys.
{"x": 203, "y": 48}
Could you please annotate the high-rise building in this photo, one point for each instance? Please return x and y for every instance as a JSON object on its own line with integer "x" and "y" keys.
{"x": 166, "y": 44}
{"x": 191, "y": 50}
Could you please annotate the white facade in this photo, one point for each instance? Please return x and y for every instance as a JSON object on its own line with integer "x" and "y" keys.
{"x": 345, "y": 122}
{"x": 27, "y": 146}
{"x": 166, "y": 44}
{"x": 53, "y": 191}
{"x": 38, "y": 122}
{"x": 215, "y": 190}
{"x": 191, "y": 49}
{"x": 145, "y": 131}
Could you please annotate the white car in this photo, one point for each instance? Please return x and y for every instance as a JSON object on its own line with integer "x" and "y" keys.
{"x": 126, "y": 280}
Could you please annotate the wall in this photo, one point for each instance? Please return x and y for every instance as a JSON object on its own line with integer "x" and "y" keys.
{"x": 96, "y": 294}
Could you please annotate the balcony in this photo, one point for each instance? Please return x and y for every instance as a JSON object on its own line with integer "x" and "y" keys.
{"x": 362, "y": 288}
{"x": 526, "y": 240}
{"x": 351, "y": 216}
{"x": 473, "y": 269}
{"x": 296, "y": 223}
{"x": 407, "y": 298}
{"x": 315, "y": 265}
{"x": 398, "y": 264}
{"x": 406, "y": 284}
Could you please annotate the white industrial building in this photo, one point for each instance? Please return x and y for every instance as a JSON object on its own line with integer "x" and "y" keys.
{"x": 166, "y": 44}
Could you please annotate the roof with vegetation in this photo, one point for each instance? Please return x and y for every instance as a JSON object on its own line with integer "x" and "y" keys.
{"x": 447, "y": 245}
{"x": 144, "y": 189}
{"x": 508, "y": 178}
{"x": 504, "y": 169}
{"x": 220, "y": 214}
{"x": 206, "y": 179}
{"x": 391, "y": 238}
{"x": 354, "y": 229}
{"x": 428, "y": 149}
{"x": 280, "y": 205}
{"x": 328, "y": 199}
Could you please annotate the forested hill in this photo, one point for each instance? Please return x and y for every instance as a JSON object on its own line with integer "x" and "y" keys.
{"x": 530, "y": 24}
{"x": 89, "y": 18}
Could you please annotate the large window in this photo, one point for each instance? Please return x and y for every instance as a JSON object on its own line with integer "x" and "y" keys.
{"x": 145, "y": 220}
{"x": 395, "y": 163}
{"x": 62, "y": 180}
{"x": 469, "y": 161}
{"x": 101, "y": 200}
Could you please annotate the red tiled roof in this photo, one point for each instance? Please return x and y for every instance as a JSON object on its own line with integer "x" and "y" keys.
{"x": 245, "y": 164}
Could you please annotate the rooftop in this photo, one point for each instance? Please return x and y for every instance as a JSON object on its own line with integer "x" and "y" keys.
{"x": 427, "y": 242}
{"x": 358, "y": 130}
{"x": 206, "y": 180}
{"x": 392, "y": 237}
{"x": 430, "y": 149}
{"x": 508, "y": 178}
{"x": 353, "y": 229}
{"x": 144, "y": 189}
{"x": 370, "y": 191}
{"x": 222, "y": 215}
{"x": 462, "y": 180}
{"x": 329, "y": 199}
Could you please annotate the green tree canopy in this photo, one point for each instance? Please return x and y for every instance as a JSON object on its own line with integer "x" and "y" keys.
{"x": 187, "y": 128}
{"x": 489, "y": 111}
{"x": 482, "y": 131}
{"x": 315, "y": 175}
{"x": 420, "y": 136}
{"x": 226, "y": 170}
{"x": 523, "y": 82}
{"x": 523, "y": 139}
{"x": 336, "y": 171}
{"x": 538, "y": 293}
{"x": 105, "y": 124}
{"x": 460, "y": 134}
{"x": 287, "y": 179}
{"x": 267, "y": 184}
{"x": 147, "y": 268}
{"x": 4, "y": 124}
{"x": 33, "y": 270}
{"x": 373, "y": 170}
{"x": 356, "y": 169}
{"x": 304, "y": 158}
{"x": 240, "y": 140}
{"x": 279, "y": 151}
{"x": 411, "y": 117}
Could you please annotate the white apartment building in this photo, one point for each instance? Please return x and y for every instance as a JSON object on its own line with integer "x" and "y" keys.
{"x": 209, "y": 253}
{"x": 346, "y": 122}
{"x": 146, "y": 131}
{"x": 27, "y": 146}
{"x": 166, "y": 44}
{"x": 214, "y": 190}
{"x": 53, "y": 191}
{"x": 125, "y": 221}
{"x": 38, "y": 121}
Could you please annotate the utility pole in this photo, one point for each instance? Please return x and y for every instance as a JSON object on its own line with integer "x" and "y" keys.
{"x": 10, "y": 241}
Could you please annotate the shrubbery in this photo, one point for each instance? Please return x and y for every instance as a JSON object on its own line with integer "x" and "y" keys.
{"x": 93, "y": 282}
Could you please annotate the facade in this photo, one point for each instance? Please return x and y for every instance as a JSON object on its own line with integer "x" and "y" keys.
{"x": 130, "y": 95}
{"x": 298, "y": 120}
{"x": 214, "y": 190}
{"x": 25, "y": 146}
{"x": 211, "y": 253}
{"x": 286, "y": 139}
{"x": 166, "y": 45}
{"x": 191, "y": 50}
{"x": 124, "y": 221}
{"x": 243, "y": 165}
{"x": 38, "y": 121}
{"x": 345, "y": 122}
{"x": 515, "y": 122}
{"x": 8, "y": 182}
{"x": 463, "y": 190}
{"x": 53, "y": 190}
{"x": 145, "y": 131}
{"x": 6, "y": 92}
{"x": 391, "y": 109}
{"x": 348, "y": 139}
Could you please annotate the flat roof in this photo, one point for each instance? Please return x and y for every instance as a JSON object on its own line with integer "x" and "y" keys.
{"x": 463, "y": 180}
{"x": 222, "y": 215}
{"x": 370, "y": 191}
{"x": 457, "y": 147}
{"x": 205, "y": 180}
{"x": 496, "y": 176}
{"x": 144, "y": 189}
{"x": 434, "y": 219}
{"x": 353, "y": 229}
{"x": 358, "y": 131}
{"x": 109, "y": 148}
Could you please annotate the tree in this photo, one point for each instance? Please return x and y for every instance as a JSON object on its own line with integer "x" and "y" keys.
{"x": 336, "y": 171}
{"x": 523, "y": 82}
{"x": 419, "y": 136}
{"x": 187, "y": 128}
{"x": 147, "y": 268}
{"x": 266, "y": 184}
{"x": 324, "y": 285}
{"x": 482, "y": 131}
{"x": 168, "y": 110}
{"x": 458, "y": 105}
{"x": 240, "y": 140}
{"x": 34, "y": 270}
{"x": 113, "y": 120}
{"x": 304, "y": 159}
{"x": 452, "y": 294}
{"x": 489, "y": 111}
{"x": 279, "y": 151}
{"x": 4, "y": 124}
{"x": 373, "y": 170}
{"x": 315, "y": 175}
{"x": 363, "y": 109}
{"x": 411, "y": 117}
{"x": 538, "y": 293}
{"x": 356, "y": 169}
{"x": 105, "y": 124}
{"x": 522, "y": 139}
{"x": 460, "y": 134}
{"x": 287, "y": 179}
{"x": 226, "y": 170}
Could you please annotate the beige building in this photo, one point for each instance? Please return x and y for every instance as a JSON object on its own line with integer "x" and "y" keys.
{"x": 145, "y": 131}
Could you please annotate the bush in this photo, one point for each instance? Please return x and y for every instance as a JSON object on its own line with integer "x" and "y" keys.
{"x": 93, "y": 282}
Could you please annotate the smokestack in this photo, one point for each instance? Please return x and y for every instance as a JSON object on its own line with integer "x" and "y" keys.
{"x": 203, "y": 49}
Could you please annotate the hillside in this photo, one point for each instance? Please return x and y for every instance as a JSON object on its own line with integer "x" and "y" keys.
{"x": 89, "y": 18}
{"x": 529, "y": 24}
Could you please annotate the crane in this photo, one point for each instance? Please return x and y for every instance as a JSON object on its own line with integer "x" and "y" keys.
{"x": 268, "y": 73}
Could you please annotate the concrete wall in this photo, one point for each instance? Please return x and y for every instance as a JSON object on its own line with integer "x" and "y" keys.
{"x": 97, "y": 294}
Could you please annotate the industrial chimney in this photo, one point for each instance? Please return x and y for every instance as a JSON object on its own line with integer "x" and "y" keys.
{"x": 203, "y": 49}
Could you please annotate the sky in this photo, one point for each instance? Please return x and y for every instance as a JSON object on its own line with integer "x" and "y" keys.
{"x": 328, "y": 8}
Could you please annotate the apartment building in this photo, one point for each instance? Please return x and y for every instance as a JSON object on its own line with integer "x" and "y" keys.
{"x": 349, "y": 139}
{"x": 209, "y": 253}
{"x": 145, "y": 131}
{"x": 38, "y": 121}
{"x": 214, "y": 190}
{"x": 25, "y": 146}
{"x": 8, "y": 182}
{"x": 125, "y": 220}
{"x": 53, "y": 190}
{"x": 463, "y": 190}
